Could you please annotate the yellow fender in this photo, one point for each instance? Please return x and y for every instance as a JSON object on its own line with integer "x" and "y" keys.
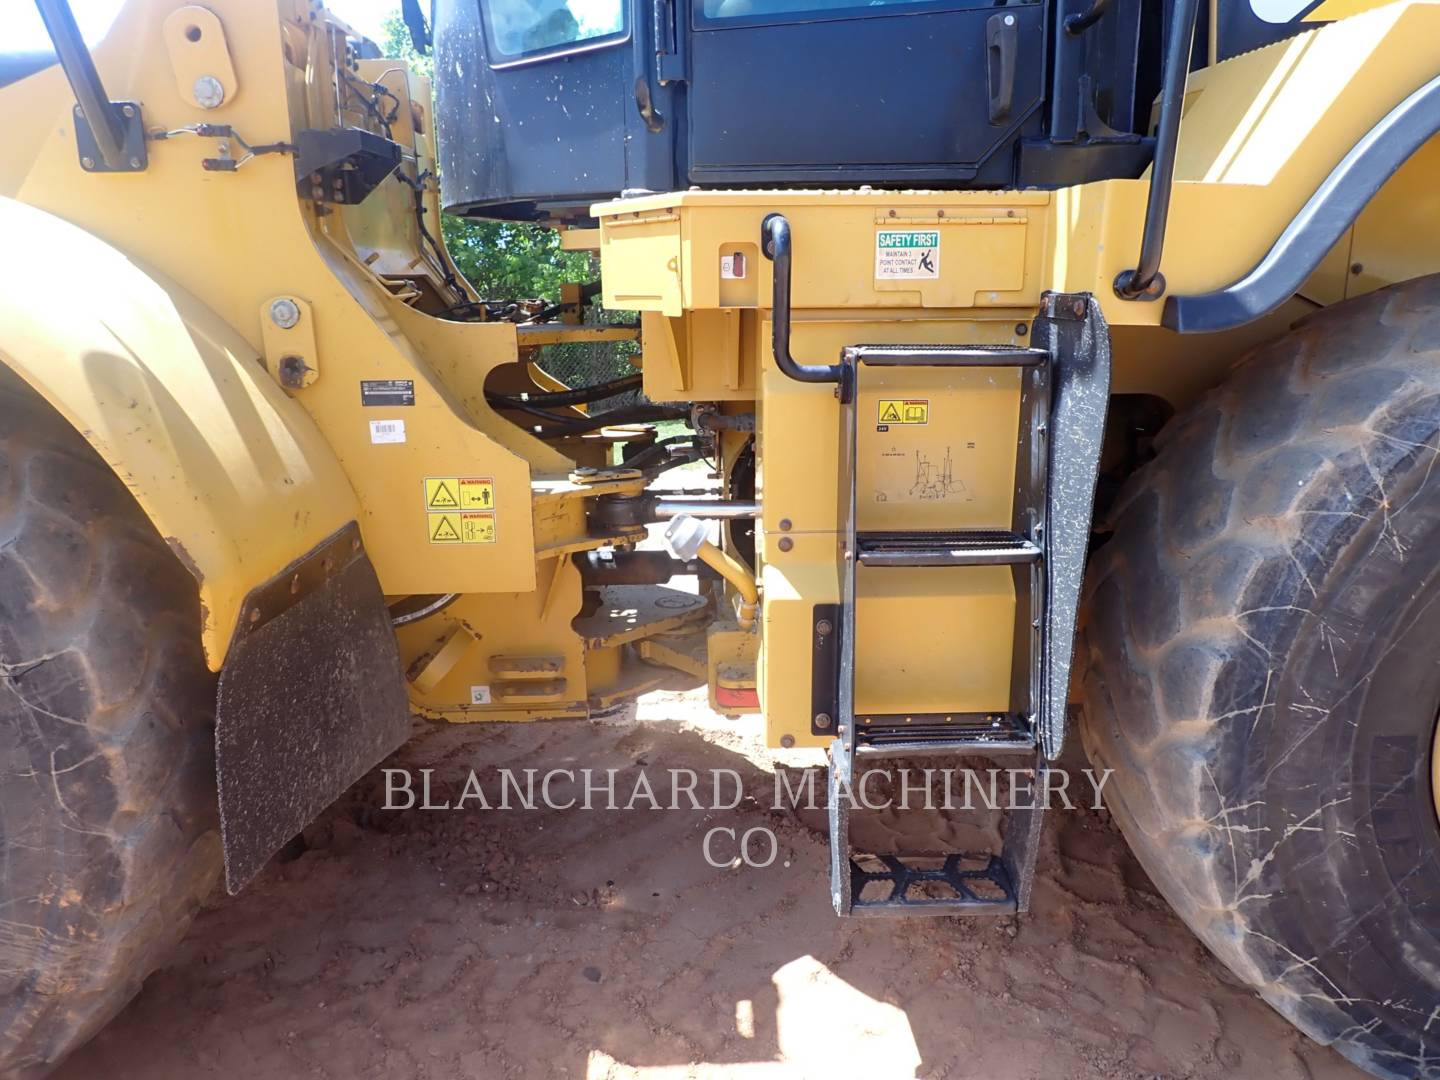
{"x": 233, "y": 473}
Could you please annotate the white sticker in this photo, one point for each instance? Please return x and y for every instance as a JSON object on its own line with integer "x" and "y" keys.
{"x": 732, "y": 267}
{"x": 387, "y": 431}
{"x": 479, "y": 695}
{"x": 907, "y": 253}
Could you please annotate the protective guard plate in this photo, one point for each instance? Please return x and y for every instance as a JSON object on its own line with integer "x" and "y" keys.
{"x": 1073, "y": 327}
{"x": 311, "y": 698}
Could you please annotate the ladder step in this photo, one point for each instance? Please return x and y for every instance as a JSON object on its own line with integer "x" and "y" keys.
{"x": 943, "y": 733}
{"x": 930, "y": 885}
{"x": 947, "y": 355}
{"x": 955, "y": 548}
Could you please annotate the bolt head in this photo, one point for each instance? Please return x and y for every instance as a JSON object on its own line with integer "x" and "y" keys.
{"x": 823, "y": 627}
{"x": 128, "y": 111}
{"x": 284, "y": 312}
{"x": 785, "y": 543}
{"x": 785, "y": 525}
{"x": 208, "y": 91}
{"x": 87, "y": 162}
{"x": 822, "y": 721}
{"x": 787, "y": 741}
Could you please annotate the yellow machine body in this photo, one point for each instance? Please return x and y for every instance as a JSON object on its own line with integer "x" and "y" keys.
{"x": 142, "y": 306}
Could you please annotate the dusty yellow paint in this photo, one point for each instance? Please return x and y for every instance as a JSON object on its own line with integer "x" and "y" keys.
{"x": 234, "y": 474}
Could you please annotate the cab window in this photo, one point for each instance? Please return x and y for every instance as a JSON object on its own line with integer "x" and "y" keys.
{"x": 516, "y": 29}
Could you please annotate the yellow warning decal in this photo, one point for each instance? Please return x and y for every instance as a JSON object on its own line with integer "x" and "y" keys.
{"x": 904, "y": 411}
{"x": 459, "y": 493}
{"x": 461, "y": 527}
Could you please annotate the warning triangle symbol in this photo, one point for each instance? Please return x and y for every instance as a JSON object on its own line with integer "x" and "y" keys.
{"x": 443, "y": 498}
{"x": 890, "y": 413}
{"x": 445, "y": 531}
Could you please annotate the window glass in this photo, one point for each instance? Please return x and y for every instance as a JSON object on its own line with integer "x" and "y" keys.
{"x": 719, "y": 10}
{"x": 518, "y": 28}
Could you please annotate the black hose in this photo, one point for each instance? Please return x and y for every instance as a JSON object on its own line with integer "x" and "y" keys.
{"x": 580, "y": 395}
{"x": 578, "y": 425}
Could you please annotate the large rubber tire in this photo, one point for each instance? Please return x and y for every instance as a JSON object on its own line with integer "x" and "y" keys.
{"x": 108, "y": 831}
{"x": 1262, "y": 651}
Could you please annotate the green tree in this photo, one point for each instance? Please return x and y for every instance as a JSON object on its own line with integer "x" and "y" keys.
{"x": 504, "y": 260}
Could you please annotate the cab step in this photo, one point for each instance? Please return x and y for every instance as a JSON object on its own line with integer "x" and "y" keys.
{"x": 950, "y": 548}
{"x": 936, "y": 733}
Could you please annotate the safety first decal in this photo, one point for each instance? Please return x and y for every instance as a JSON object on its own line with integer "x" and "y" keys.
{"x": 460, "y": 509}
{"x": 902, "y": 254}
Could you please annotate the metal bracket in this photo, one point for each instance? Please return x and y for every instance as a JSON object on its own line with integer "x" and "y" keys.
{"x": 342, "y": 165}
{"x": 134, "y": 156}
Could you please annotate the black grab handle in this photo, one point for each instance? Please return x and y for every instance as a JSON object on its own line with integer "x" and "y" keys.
{"x": 775, "y": 244}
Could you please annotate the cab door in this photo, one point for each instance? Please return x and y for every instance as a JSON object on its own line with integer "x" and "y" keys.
{"x": 546, "y": 106}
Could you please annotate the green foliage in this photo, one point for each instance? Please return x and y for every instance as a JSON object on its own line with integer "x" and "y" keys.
{"x": 503, "y": 260}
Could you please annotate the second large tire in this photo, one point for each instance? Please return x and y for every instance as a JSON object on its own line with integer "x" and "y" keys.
{"x": 1262, "y": 651}
{"x": 108, "y": 821}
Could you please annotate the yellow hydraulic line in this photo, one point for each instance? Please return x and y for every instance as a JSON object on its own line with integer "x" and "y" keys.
{"x": 733, "y": 571}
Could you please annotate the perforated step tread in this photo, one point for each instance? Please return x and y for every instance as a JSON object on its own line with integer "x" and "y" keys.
{"x": 947, "y": 355}
{"x": 948, "y": 548}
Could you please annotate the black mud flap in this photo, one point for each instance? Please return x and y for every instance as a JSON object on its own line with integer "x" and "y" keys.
{"x": 311, "y": 698}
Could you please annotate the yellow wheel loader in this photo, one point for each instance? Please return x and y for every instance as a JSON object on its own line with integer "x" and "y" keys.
{"x": 1060, "y": 363}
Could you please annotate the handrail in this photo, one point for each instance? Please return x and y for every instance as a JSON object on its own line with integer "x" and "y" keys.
{"x": 775, "y": 243}
{"x": 1144, "y": 282}
{"x": 84, "y": 80}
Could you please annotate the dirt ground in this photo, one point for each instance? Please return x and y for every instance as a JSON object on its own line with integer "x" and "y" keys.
{"x": 600, "y": 945}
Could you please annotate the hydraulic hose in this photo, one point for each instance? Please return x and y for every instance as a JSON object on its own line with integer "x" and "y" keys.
{"x": 580, "y": 395}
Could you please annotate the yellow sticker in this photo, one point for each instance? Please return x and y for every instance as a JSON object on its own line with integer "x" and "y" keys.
{"x": 904, "y": 411}
{"x": 459, "y": 493}
{"x": 461, "y": 527}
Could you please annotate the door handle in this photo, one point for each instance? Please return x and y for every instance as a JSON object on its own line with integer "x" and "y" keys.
{"x": 1002, "y": 39}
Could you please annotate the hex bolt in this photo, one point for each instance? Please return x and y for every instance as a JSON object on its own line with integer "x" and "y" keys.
{"x": 87, "y": 162}
{"x": 135, "y": 163}
{"x": 284, "y": 312}
{"x": 209, "y": 92}
{"x": 787, "y": 741}
{"x": 823, "y": 627}
{"x": 128, "y": 111}
{"x": 822, "y": 721}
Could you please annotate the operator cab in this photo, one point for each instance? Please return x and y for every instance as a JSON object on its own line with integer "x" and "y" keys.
{"x": 548, "y": 106}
